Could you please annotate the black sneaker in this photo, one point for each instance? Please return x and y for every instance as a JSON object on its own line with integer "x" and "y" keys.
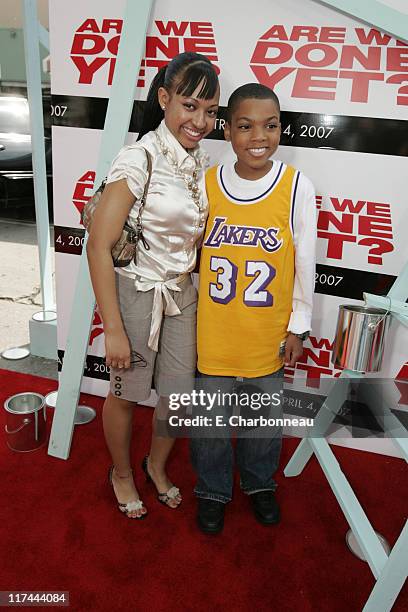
{"x": 210, "y": 517}
{"x": 265, "y": 507}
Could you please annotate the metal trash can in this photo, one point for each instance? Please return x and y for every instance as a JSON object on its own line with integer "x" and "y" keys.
{"x": 25, "y": 422}
{"x": 360, "y": 336}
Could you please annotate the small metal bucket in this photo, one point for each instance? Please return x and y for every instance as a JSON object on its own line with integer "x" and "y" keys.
{"x": 25, "y": 422}
{"x": 359, "y": 342}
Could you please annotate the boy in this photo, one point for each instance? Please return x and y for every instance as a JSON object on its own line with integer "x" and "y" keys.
{"x": 256, "y": 287}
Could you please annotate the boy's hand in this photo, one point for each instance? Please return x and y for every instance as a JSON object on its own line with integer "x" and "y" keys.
{"x": 293, "y": 350}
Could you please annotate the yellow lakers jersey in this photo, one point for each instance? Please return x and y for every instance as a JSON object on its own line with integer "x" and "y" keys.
{"x": 246, "y": 278}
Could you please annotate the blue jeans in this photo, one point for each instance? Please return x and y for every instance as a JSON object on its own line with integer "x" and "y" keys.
{"x": 257, "y": 456}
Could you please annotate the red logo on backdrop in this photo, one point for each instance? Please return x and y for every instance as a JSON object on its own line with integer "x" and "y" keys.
{"x": 315, "y": 361}
{"x": 360, "y": 222}
{"x": 83, "y": 190}
{"x": 95, "y": 46}
{"x": 97, "y": 327}
{"x": 317, "y": 60}
{"x": 82, "y": 193}
{"x": 401, "y": 380}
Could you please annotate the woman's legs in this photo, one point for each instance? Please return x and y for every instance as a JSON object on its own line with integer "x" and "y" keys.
{"x": 117, "y": 419}
{"x": 174, "y": 372}
{"x": 159, "y": 452}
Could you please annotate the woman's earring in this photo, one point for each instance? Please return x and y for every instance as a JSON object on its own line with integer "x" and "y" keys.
{"x": 163, "y": 108}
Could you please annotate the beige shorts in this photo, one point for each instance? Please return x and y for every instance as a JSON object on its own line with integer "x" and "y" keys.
{"x": 172, "y": 369}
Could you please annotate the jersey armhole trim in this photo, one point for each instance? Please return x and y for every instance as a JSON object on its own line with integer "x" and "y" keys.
{"x": 293, "y": 203}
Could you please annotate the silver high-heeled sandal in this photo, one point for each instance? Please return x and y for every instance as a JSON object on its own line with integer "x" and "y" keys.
{"x": 129, "y": 507}
{"x": 167, "y": 496}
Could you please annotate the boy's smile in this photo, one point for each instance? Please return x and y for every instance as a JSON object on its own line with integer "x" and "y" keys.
{"x": 254, "y": 133}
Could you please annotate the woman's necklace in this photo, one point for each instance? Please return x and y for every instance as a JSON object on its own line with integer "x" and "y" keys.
{"x": 191, "y": 180}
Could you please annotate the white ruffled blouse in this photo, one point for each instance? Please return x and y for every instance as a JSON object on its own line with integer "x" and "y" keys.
{"x": 173, "y": 222}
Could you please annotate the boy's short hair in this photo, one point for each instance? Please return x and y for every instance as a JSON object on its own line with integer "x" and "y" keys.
{"x": 248, "y": 91}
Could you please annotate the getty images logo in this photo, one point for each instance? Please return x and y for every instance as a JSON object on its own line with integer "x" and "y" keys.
{"x": 95, "y": 46}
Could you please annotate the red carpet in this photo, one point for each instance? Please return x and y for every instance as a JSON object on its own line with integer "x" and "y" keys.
{"x": 61, "y": 531}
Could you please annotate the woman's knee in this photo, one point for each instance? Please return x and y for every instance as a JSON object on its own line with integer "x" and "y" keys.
{"x": 112, "y": 400}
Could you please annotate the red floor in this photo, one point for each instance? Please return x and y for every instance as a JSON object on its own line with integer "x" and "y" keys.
{"x": 61, "y": 531}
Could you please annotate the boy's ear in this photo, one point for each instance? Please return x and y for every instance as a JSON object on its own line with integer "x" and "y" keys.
{"x": 227, "y": 132}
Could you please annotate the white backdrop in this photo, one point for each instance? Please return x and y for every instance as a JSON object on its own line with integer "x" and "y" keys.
{"x": 343, "y": 88}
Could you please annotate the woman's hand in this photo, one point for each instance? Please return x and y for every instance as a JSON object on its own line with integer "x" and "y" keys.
{"x": 293, "y": 350}
{"x": 117, "y": 350}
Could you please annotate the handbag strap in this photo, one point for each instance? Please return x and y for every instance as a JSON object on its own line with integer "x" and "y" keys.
{"x": 146, "y": 189}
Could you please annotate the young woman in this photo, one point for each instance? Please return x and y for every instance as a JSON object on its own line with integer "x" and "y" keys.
{"x": 149, "y": 307}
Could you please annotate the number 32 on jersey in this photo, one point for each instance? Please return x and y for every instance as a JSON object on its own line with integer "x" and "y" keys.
{"x": 255, "y": 294}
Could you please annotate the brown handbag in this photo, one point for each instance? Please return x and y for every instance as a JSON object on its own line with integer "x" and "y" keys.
{"x": 124, "y": 250}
